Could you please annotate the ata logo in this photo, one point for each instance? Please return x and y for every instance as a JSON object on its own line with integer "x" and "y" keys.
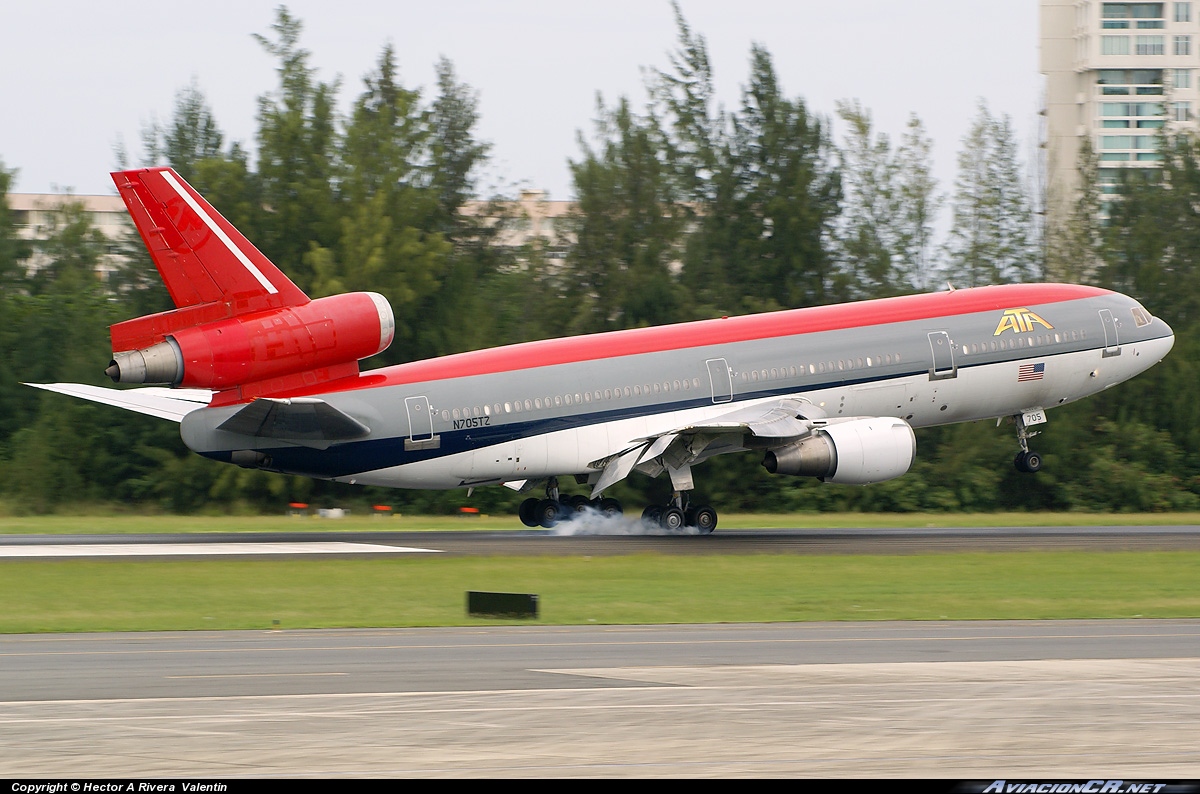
{"x": 1020, "y": 321}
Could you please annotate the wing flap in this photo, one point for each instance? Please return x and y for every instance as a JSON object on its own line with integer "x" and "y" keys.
{"x": 676, "y": 450}
{"x": 781, "y": 419}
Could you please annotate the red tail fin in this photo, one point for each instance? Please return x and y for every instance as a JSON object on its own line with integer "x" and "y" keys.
{"x": 210, "y": 270}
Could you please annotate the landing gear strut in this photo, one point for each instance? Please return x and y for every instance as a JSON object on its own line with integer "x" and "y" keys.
{"x": 1026, "y": 460}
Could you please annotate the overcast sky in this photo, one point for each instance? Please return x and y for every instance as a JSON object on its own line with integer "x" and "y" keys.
{"x": 77, "y": 76}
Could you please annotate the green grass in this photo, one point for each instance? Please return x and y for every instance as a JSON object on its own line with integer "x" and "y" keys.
{"x": 142, "y": 595}
{"x": 125, "y": 524}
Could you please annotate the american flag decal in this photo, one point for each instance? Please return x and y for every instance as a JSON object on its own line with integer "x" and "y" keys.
{"x": 1031, "y": 372}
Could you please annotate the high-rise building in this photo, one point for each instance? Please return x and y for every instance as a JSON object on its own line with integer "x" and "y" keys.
{"x": 1116, "y": 74}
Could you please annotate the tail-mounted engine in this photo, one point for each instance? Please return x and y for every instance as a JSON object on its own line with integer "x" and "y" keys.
{"x": 856, "y": 451}
{"x": 260, "y": 346}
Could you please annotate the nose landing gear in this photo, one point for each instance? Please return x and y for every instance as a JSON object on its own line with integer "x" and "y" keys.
{"x": 1026, "y": 460}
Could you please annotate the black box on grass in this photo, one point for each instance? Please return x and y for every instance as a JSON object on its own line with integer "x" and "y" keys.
{"x": 502, "y": 605}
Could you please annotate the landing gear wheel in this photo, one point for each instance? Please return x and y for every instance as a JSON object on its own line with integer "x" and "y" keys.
{"x": 549, "y": 513}
{"x": 610, "y": 507}
{"x": 577, "y": 503}
{"x": 651, "y": 514}
{"x": 704, "y": 519}
{"x": 671, "y": 519}
{"x": 528, "y": 512}
{"x": 1028, "y": 461}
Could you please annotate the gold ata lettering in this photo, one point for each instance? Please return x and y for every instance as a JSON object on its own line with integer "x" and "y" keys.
{"x": 1020, "y": 321}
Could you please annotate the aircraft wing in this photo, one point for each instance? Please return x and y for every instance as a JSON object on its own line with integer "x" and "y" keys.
{"x": 675, "y": 451}
{"x": 780, "y": 419}
{"x": 173, "y": 404}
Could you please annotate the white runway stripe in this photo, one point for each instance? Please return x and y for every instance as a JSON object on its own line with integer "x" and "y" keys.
{"x": 199, "y": 549}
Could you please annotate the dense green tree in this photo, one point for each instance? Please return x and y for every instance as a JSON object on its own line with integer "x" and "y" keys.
{"x": 684, "y": 96}
{"x": 992, "y": 239}
{"x": 387, "y": 209}
{"x": 788, "y": 191}
{"x": 886, "y": 223}
{"x": 455, "y": 153}
{"x": 191, "y": 135}
{"x": 297, "y": 155}
{"x": 627, "y": 227}
{"x": 1075, "y": 223}
{"x": 13, "y": 250}
{"x": 918, "y": 205}
{"x": 867, "y": 239}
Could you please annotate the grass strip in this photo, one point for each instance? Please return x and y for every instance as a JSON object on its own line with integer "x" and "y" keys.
{"x": 144, "y": 595}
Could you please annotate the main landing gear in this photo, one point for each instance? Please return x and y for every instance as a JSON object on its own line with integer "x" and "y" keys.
{"x": 675, "y": 516}
{"x": 554, "y": 508}
{"x": 678, "y": 515}
{"x": 1026, "y": 460}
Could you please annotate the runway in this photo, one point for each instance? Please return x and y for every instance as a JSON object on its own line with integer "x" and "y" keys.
{"x": 970, "y": 700}
{"x": 1059, "y": 699}
{"x": 624, "y": 538}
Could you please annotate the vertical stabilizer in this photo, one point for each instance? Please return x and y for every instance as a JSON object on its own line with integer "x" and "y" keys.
{"x": 210, "y": 270}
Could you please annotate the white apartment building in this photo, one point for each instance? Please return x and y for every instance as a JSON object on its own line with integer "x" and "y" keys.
{"x": 1116, "y": 74}
{"x": 34, "y": 217}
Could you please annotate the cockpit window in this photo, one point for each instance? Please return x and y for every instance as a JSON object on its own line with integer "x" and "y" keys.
{"x": 1140, "y": 316}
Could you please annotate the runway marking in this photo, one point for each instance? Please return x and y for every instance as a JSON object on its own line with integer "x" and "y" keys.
{"x": 202, "y": 549}
{"x": 252, "y": 675}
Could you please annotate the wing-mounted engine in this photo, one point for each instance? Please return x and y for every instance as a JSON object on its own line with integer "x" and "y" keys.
{"x": 854, "y": 451}
{"x": 314, "y": 342}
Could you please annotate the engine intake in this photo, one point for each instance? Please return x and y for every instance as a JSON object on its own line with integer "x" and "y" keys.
{"x": 855, "y": 451}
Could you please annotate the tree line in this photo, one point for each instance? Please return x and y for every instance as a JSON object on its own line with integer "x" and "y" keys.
{"x": 684, "y": 210}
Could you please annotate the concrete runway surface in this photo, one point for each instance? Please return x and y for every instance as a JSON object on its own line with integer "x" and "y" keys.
{"x": 1054, "y": 699}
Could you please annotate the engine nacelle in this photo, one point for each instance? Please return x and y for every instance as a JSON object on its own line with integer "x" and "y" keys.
{"x": 856, "y": 451}
{"x": 340, "y": 329}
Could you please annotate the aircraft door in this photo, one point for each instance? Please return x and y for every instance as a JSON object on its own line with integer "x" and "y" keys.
{"x": 721, "y": 379}
{"x": 1112, "y": 343}
{"x": 420, "y": 425}
{"x": 943, "y": 356}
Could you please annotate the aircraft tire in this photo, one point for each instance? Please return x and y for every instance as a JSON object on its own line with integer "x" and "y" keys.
{"x": 549, "y": 513}
{"x": 704, "y": 519}
{"x": 610, "y": 507}
{"x": 1029, "y": 462}
{"x": 528, "y": 512}
{"x": 671, "y": 519}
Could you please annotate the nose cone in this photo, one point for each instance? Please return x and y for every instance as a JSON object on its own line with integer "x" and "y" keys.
{"x": 1158, "y": 346}
{"x": 1168, "y": 338}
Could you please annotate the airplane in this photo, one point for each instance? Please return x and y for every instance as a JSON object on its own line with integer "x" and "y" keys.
{"x": 259, "y": 375}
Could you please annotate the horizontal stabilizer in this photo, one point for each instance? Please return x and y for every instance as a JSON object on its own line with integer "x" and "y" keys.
{"x": 173, "y": 404}
{"x": 299, "y": 419}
